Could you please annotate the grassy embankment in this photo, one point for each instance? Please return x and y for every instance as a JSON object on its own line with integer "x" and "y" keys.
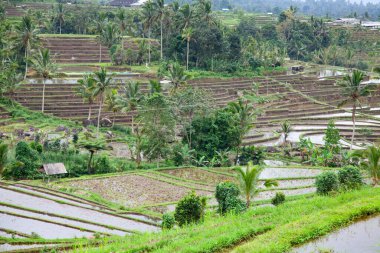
{"x": 266, "y": 229}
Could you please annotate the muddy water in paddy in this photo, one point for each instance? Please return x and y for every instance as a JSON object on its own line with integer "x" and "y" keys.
{"x": 360, "y": 237}
{"x": 24, "y": 200}
{"x": 43, "y": 229}
{"x": 11, "y": 247}
{"x": 269, "y": 173}
{"x": 62, "y": 220}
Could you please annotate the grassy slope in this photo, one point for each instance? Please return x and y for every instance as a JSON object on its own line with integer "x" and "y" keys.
{"x": 289, "y": 224}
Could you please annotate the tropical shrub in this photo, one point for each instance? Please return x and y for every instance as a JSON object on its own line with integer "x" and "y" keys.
{"x": 227, "y": 194}
{"x": 350, "y": 178}
{"x": 327, "y": 182}
{"x": 278, "y": 199}
{"x": 190, "y": 209}
{"x": 254, "y": 154}
{"x": 249, "y": 178}
{"x": 103, "y": 165}
{"x": 168, "y": 221}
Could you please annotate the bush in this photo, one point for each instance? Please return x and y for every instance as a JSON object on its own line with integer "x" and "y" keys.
{"x": 278, "y": 199}
{"x": 168, "y": 221}
{"x": 103, "y": 165}
{"x": 190, "y": 209}
{"x": 227, "y": 194}
{"x": 327, "y": 182}
{"x": 254, "y": 154}
{"x": 350, "y": 178}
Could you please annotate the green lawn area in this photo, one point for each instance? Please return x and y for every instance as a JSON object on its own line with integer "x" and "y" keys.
{"x": 261, "y": 229}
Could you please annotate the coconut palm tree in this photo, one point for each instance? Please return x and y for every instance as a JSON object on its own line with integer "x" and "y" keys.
{"x": 370, "y": 160}
{"x": 100, "y": 26}
{"x": 45, "y": 68}
{"x": 159, "y": 6}
{"x": 249, "y": 177}
{"x": 148, "y": 14}
{"x": 60, "y": 16}
{"x": 130, "y": 98}
{"x": 286, "y": 128}
{"x": 110, "y": 35}
{"x": 121, "y": 16}
{"x": 177, "y": 75}
{"x": 103, "y": 82}
{"x": 187, "y": 33}
{"x": 155, "y": 87}
{"x": 111, "y": 103}
{"x": 245, "y": 112}
{"x": 187, "y": 15}
{"x": 355, "y": 92}
{"x": 26, "y": 38}
{"x": 85, "y": 89}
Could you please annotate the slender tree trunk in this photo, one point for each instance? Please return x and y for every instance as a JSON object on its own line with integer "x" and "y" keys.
{"x": 149, "y": 46}
{"x": 89, "y": 111}
{"x": 89, "y": 167}
{"x": 161, "y": 40}
{"x": 99, "y": 113}
{"x": 187, "y": 54}
{"x": 113, "y": 119}
{"x": 248, "y": 200}
{"x": 100, "y": 52}
{"x": 43, "y": 95}
{"x": 26, "y": 62}
{"x": 133, "y": 127}
{"x": 60, "y": 27}
{"x": 353, "y": 124}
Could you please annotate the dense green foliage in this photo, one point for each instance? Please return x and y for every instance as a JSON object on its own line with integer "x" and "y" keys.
{"x": 227, "y": 194}
{"x": 252, "y": 154}
{"x": 350, "y": 178}
{"x": 168, "y": 221}
{"x": 190, "y": 209}
{"x": 327, "y": 182}
{"x": 278, "y": 199}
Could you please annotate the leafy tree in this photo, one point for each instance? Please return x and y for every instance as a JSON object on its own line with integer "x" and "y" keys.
{"x": 103, "y": 82}
{"x": 218, "y": 131}
{"x": 3, "y": 157}
{"x": 45, "y": 68}
{"x": 26, "y": 38}
{"x": 85, "y": 89}
{"x": 227, "y": 194}
{"x": 92, "y": 146}
{"x": 286, "y": 128}
{"x": 111, "y": 103}
{"x": 245, "y": 113}
{"x": 332, "y": 138}
{"x": 370, "y": 161}
{"x": 249, "y": 177}
{"x": 190, "y": 209}
{"x": 177, "y": 76}
{"x": 158, "y": 126}
{"x": 355, "y": 92}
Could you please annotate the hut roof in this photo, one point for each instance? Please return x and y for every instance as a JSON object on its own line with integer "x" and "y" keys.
{"x": 54, "y": 168}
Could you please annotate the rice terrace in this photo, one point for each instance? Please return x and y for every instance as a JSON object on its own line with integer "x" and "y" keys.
{"x": 189, "y": 126}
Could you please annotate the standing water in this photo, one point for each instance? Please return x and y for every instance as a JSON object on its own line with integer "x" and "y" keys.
{"x": 362, "y": 236}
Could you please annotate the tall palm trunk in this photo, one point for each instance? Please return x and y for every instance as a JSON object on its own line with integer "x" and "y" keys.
{"x": 26, "y": 62}
{"x": 60, "y": 26}
{"x": 43, "y": 95}
{"x": 248, "y": 198}
{"x": 100, "y": 52}
{"x": 99, "y": 113}
{"x": 353, "y": 125}
{"x": 89, "y": 111}
{"x": 187, "y": 54}
{"x": 149, "y": 46}
{"x": 161, "y": 39}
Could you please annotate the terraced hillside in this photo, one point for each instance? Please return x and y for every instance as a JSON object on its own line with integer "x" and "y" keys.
{"x": 309, "y": 102}
{"x": 82, "y": 49}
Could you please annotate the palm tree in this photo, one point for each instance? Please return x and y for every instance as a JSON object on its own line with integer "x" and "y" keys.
{"x": 249, "y": 177}
{"x": 130, "y": 98}
{"x": 186, "y": 35}
{"x": 45, "y": 68}
{"x": 100, "y": 25}
{"x": 355, "y": 92}
{"x": 26, "y": 38}
{"x": 111, "y": 103}
{"x": 110, "y": 35}
{"x": 245, "y": 112}
{"x": 121, "y": 16}
{"x": 85, "y": 88}
{"x": 148, "y": 14}
{"x": 370, "y": 161}
{"x": 155, "y": 87}
{"x": 60, "y": 16}
{"x": 286, "y": 128}
{"x": 159, "y": 6}
{"x": 103, "y": 81}
{"x": 177, "y": 75}
{"x": 187, "y": 15}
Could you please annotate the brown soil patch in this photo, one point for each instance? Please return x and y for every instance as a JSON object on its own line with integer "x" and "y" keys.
{"x": 199, "y": 175}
